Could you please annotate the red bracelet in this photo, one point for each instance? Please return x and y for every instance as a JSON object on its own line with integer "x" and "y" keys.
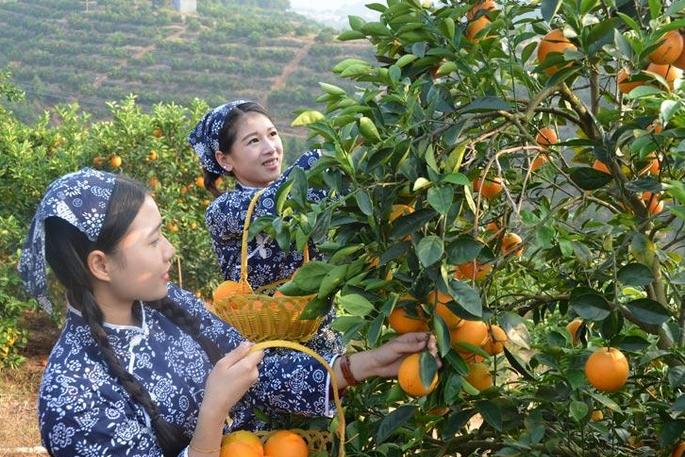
{"x": 346, "y": 371}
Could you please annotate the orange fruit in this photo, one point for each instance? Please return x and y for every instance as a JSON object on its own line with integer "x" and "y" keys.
{"x": 479, "y": 376}
{"x": 401, "y": 322}
{"x": 546, "y": 137}
{"x": 157, "y": 132}
{"x": 669, "y": 50}
{"x": 172, "y": 227}
{"x": 511, "y": 243}
{"x": 115, "y": 161}
{"x": 440, "y": 300}
{"x": 399, "y": 210}
{"x": 152, "y": 155}
{"x": 597, "y": 415}
{"x": 653, "y": 167}
{"x": 200, "y": 181}
{"x": 285, "y": 443}
{"x": 668, "y": 72}
{"x": 244, "y": 437}
{"x": 486, "y": 5}
{"x": 472, "y": 332}
{"x": 492, "y": 227}
{"x": 489, "y": 188}
{"x": 409, "y": 377}
{"x": 554, "y": 41}
{"x": 653, "y": 203}
{"x": 572, "y": 328}
{"x": 601, "y": 166}
{"x": 473, "y": 270}
{"x": 239, "y": 449}
{"x": 679, "y": 450}
{"x": 680, "y": 61}
{"x": 607, "y": 369}
{"x": 539, "y": 161}
{"x": 626, "y": 86}
{"x": 228, "y": 288}
{"x": 98, "y": 161}
{"x": 474, "y": 28}
{"x": 153, "y": 182}
{"x": 496, "y": 339}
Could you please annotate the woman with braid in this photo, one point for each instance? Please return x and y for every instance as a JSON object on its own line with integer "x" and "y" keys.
{"x": 141, "y": 368}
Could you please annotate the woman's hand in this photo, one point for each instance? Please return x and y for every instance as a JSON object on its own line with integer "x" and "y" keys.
{"x": 231, "y": 378}
{"x": 385, "y": 360}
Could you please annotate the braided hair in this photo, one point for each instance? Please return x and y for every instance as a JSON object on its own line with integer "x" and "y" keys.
{"x": 67, "y": 249}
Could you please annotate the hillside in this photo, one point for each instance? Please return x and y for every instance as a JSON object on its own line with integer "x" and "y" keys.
{"x": 98, "y": 51}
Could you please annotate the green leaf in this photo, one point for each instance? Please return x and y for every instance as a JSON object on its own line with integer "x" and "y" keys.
{"x": 331, "y": 89}
{"x": 635, "y": 274}
{"x": 676, "y": 376}
{"x": 351, "y": 35}
{"x": 442, "y": 335}
{"x": 428, "y": 367}
{"x": 589, "y": 179}
{"x": 405, "y": 60}
{"x": 622, "y": 44}
{"x": 430, "y": 250}
{"x": 440, "y": 198}
{"x": 485, "y": 104}
{"x": 364, "y": 202}
{"x": 588, "y": 304}
{"x": 355, "y": 304}
{"x": 309, "y": 276}
{"x": 491, "y": 412}
{"x": 630, "y": 22}
{"x": 667, "y": 110}
{"x": 375, "y": 29}
{"x": 545, "y": 235}
{"x": 456, "y": 421}
{"x": 467, "y": 297}
{"x": 654, "y": 8}
{"x": 549, "y": 8}
{"x": 446, "y": 68}
{"x": 356, "y": 22}
{"x": 606, "y": 401}
{"x": 393, "y": 421}
{"x": 463, "y": 249}
{"x": 648, "y": 311}
{"x": 406, "y": 225}
{"x": 578, "y": 410}
{"x": 332, "y": 280}
{"x": 456, "y": 178}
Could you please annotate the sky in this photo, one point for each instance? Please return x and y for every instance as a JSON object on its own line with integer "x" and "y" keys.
{"x": 333, "y": 12}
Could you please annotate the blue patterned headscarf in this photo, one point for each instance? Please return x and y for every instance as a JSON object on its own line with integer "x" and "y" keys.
{"x": 205, "y": 136}
{"x": 79, "y": 198}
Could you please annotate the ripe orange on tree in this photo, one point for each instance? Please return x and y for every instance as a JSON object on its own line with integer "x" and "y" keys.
{"x": 554, "y": 41}
{"x": 480, "y": 5}
{"x": 607, "y": 369}
{"x": 152, "y": 155}
{"x": 496, "y": 339}
{"x": 572, "y": 328}
{"x": 653, "y": 203}
{"x": 511, "y": 243}
{"x": 479, "y": 376}
{"x": 546, "y": 137}
{"x": 680, "y": 61}
{"x": 285, "y": 443}
{"x": 597, "y": 415}
{"x": 98, "y": 161}
{"x": 244, "y": 437}
{"x": 473, "y": 270}
{"x": 626, "y": 86}
{"x": 153, "y": 182}
{"x": 472, "y": 332}
{"x": 670, "y": 48}
{"x": 401, "y": 322}
{"x": 409, "y": 377}
{"x": 399, "y": 210}
{"x": 474, "y": 28}
{"x": 601, "y": 166}
{"x": 439, "y": 300}
{"x": 200, "y": 181}
{"x": 157, "y": 132}
{"x": 668, "y": 72}
{"x": 489, "y": 188}
{"x": 653, "y": 166}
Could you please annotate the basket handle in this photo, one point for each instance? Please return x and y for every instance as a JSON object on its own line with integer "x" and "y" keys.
{"x": 243, "y": 242}
{"x": 334, "y": 381}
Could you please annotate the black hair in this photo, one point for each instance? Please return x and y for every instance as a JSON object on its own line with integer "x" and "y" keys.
{"x": 227, "y": 137}
{"x": 67, "y": 249}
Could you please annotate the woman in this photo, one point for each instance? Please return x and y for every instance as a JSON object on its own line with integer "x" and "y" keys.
{"x": 141, "y": 368}
{"x": 239, "y": 139}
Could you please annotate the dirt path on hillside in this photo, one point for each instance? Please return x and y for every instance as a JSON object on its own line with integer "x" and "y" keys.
{"x": 282, "y": 79}
{"x": 179, "y": 30}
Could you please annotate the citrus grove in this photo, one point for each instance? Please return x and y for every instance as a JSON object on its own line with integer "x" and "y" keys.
{"x": 508, "y": 175}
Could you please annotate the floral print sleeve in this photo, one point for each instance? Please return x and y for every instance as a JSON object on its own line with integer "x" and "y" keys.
{"x": 225, "y": 217}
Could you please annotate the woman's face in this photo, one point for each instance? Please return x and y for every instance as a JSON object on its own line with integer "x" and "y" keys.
{"x": 257, "y": 153}
{"x": 142, "y": 259}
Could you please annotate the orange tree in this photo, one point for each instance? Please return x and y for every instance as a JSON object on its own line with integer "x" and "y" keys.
{"x": 151, "y": 147}
{"x": 540, "y": 192}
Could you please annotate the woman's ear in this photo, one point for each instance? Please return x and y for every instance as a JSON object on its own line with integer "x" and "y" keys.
{"x": 224, "y": 160}
{"x": 98, "y": 265}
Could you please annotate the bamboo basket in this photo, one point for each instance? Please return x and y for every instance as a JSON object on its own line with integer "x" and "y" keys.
{"x": 261, "y": 317}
